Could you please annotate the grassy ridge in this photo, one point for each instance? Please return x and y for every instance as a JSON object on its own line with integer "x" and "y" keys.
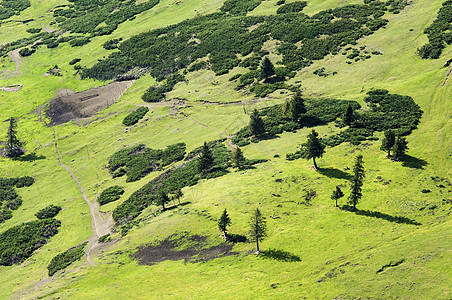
{"x": 325, "y": 238}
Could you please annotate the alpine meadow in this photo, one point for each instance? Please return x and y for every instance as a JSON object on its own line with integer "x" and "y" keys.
{"x": 225, "y": 149}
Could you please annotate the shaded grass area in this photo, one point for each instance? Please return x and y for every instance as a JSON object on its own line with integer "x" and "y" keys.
{"x": 279, "y": 255}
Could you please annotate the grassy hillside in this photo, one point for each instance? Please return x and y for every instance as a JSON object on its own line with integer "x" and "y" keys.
{"x": 370, "y": 254}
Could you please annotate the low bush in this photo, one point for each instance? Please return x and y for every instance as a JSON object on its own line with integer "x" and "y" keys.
{"x": 74, "y": 61}
{"x": 19, "y": 242}
{"x": 110, "y": 194}
{"x": 27, "y": 52}
{"x": 9, "y": 199}
{"x": 62, "y": 260}
{"x": 293, "y": 7}
{"x": 135, "y": 116}
{"x": 48, "y": 212}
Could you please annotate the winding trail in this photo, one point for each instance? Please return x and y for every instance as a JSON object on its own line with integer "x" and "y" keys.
{"x": 447, "y": 77}
{"x": 99, "y": 224}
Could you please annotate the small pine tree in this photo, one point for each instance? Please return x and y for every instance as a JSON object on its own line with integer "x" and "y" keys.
{"x": 258, "y": 229}
{"x": 224, "y": 222}
{"x": 205, "y": 159}
{"x": 13, "y": 144}
{"x": 238, "y": 159}
{"x": 388, "y": 141}
{"x": 348, "y": 115}
{"x": 400, "y": 147}
{"x": 337, "y": 194}
{"x": 162, "y": 199}
{"x": 294, "y": 108}
{"x": 256, "y": 124}
{"x": 178, "y": 194}
{"x": 357, "y": 182}
{"x": 267, "y": 68}
{"x": 313, "y": 148}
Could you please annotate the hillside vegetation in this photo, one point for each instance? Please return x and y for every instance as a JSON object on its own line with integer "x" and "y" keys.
{"x": 217, "y": 105}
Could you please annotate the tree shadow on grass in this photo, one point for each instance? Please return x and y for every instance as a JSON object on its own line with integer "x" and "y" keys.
{"x": 279, "y": 255}
{"x": 413, "y": 162}
{"x": 29, "y": 157}
{"x": 335, "y": 173}
{"x": 380, "y": 215}
{"x": 235, "y": 238}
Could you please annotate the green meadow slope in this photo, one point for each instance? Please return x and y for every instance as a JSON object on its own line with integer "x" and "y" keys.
{"x": 342, "y": 255}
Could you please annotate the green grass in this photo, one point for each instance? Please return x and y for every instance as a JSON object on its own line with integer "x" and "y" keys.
{"x": 345, "y": 248}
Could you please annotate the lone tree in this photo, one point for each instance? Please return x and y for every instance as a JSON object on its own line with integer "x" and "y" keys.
{"x": 357, "y": 182}
{"x": 13, "y": 144}
{"x": 267, "y": 68}
{"x": 294, "y": 108}
{"x": 205, "y": 159}
{"x": 258, "y": 229}
{"x": 256, "y": 124}
{"x": 237, "y": 158}
{"x": 388, "y": 141}
{"x": 313, "y": 148}
{"x": 162, "y": 199}
{"x": 348, "y": 115}
{"x": 178, "y": 194}
{"x": 337, "y": 194}
{"x": 224, "y": 222}
{"x": 400, "y": 147}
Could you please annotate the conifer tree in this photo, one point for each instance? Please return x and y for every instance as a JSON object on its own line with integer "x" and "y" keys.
{"x": 258, "y": 229}
{"x": 400, "y": 147}
{"x": 205, "y": 159}
{"x": 337, "y": 194}
{"x": 237, "y": 158}
{"x": 294, "y": 108}
{"x": 357, "y": 182}
{"x": 162, "y": 199}
{"x": 224, "y": 222}
{"x": 313, "y": 148}
{"x": 388, "y": 141}
{"x": 267, "y": 68}
{"x": 13, "y": 144}
{"x": 178, "y": 194}
{"x": 348, "y": 115}
{"x": 256, "y": 124}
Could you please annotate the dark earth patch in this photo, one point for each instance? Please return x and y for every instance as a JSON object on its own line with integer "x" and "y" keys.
{"x": 190, "y": 248}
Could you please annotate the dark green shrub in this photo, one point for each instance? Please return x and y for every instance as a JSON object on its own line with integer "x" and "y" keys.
{"x": 105, "y": 238}
{"x": 48, "y": 212}
{"x": 19, "y": 242}
{"x": 62, "y": 260}
{"x": 135, "y": 116}
{"x": 33, "y": 30}
{"x": 77, "y": 42}
{"x": 293, "y": 7}
{"x": 26, "y": 52}
{"x": 239, "y": 7}
{"x": 111, "y": 44}
{"x": 74, "y": 61}
{"x": 110, "y": 194}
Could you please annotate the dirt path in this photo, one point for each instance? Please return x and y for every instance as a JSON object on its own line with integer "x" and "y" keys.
{"x": 17, "y": 59}
{"x": 447, "y": 77}
{"x": 100, "y": 225}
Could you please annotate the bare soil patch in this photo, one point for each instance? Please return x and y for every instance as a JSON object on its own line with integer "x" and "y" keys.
{"x": 190, "y": 248}
{"x": 69, "y": 106}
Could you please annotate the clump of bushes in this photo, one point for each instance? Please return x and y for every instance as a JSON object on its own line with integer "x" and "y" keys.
{"x": 74, "y": 61}
{"x": 110, "y": 194}
{"x": 62, "y": 260}
{"x": 19, "y": 242}
{"x": 135, "y": 116}
{"x": 9, "y": 199}
{"x": 157, "y": 93}
{"x": 293, "y": 7}
{"x": 112, "y": 44}
{"x": 48, "y": 212}
{"x": 239, "y": 7}
{"x": 27, "y": 51}
{"x": 137, "y": 161}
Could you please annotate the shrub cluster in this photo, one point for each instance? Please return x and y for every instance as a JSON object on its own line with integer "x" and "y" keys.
{"x": 137, "y": 161}
{"x": 19, "y": 242}
{"x": 9, "y": 199}
{"x": 439, "y": 33}
{"x": 293, "y": 7}
{"x": 110, "y": 194}
{"x": 62, "y": 260}
{"x": 26, "y": 52}
{"x": 135, "y": 116}
{"x": 157, "y": 93}
{"x": 8, "y": 8}
{"x": 172, "y": 180}
{"x": 239, "y": 7}
{"x": 48, "y": 212}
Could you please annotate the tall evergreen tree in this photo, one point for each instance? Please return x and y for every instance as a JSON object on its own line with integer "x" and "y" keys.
{"x": 267, "y": 68}
{"x": 313, "y": 148}
{"x": 357, "y": 182}
{"x": 258, "y": 229}
{"x": 162, "y": 199}
{"x": 237, "y": 158}
{"x": 388, "y": 141}
{"x": 13, "y": 144}
{"x": 400, "y": 147}
{"x": 205, "y": 159}
{"x": 178, "y": 194}
{"x": 256, "y": 124}
{"x": 224, "y": 222}
{"x": 294, "y": 108}
{"x": 337, "y": 194}
{"x": 347, "y": 117}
